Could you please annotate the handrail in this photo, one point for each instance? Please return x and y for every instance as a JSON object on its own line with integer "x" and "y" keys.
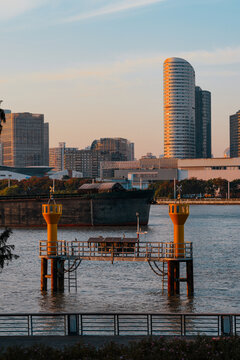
{"x": 178, "y": 324}
{"x": 140, "y": 251}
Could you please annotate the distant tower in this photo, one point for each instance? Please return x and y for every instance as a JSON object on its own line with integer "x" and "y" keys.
{"x": 25, "y": 140}
{"x": 203, "y": 123}
{"x": 235, "y": 135}
{"x": 179, "y": 109}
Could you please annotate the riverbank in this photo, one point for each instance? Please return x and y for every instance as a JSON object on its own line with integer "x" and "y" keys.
{"x": 149, "y": 348}
{"x": 200, "y": 201}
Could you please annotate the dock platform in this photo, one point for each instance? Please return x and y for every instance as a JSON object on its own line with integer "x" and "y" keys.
{"x": 117, "y": 249}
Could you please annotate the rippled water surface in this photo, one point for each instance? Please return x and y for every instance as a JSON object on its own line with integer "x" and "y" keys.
{"x": 132, "y": 286}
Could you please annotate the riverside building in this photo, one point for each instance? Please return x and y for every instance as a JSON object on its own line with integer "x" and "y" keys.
{"x": 235, "y": 135}
{"x": 203, "y": 123}
{"x": 179, "y": 109}
{"x": 56, "y": 157}
{"x": 120, "y": 149}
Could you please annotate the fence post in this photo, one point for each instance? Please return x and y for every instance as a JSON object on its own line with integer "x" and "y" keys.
{"x": 73, "y": 325}
{"x": 226, "y": 325}
{"x": 117, "y": 317}
{"x": 151, "y": 327}
{"x": 28, "y": 320}
{"x": 115, "y": 324}
{"x": 184, "y": 325}
{"x": 81, "y": 322}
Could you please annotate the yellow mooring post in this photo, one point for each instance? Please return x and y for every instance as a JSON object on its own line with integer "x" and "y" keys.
{"x": 179, "y": 213}
{"x": 51, "y": 213}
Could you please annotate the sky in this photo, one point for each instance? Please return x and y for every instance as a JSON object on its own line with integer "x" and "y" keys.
{"x": 94, "y": 68}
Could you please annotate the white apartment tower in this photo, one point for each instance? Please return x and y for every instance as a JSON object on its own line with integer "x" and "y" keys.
{"x": 179, "y": 109}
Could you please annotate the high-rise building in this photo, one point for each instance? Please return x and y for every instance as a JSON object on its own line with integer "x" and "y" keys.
{"x": 203, "y": 123}
{"x": 46, "y": 143}
{"x": 119, "y": 148}
{"x": 56, "y": 157}
{"x": 85, "y": 161}
{"x": 24, "y": 140}
{"x": 179, "y": 109}
{"x": 235, "y": 135}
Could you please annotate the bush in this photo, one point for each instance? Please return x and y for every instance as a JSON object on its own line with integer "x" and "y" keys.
{"x": 200, "y": 348}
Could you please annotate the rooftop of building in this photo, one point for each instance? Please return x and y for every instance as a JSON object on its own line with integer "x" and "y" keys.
{"x": 176, "y": 60}
{"x": 38, "y": 171}
{"x": 102, "y": 187}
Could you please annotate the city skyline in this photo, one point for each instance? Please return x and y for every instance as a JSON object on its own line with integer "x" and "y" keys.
{"x": 94, "y": 69}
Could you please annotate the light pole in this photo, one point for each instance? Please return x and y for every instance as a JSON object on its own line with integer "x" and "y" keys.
{"x": 138, "y": 225}
{"x": 174, "y": 188}
{"x": 138, "y": 231}
{"x": 9, "y": 180}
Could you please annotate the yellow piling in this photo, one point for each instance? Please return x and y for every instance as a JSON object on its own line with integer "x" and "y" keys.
{"x": 52, "y": 213}
{"x": 179, "y": 212}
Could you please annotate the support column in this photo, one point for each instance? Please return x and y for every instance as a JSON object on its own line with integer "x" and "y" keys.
{"x": 54, "y": 274}
{"x": 190, "y": 283}
{"x": 176, "y": 278}
{"x": 170, "y": 278}
{"x": 44, "y": 267}
{"x": 60, "y": 277}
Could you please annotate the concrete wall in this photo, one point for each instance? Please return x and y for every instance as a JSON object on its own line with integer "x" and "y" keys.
{"x": 229, "y": 175}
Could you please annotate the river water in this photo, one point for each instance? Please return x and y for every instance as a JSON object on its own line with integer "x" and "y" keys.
{"x": 132, "y": 286}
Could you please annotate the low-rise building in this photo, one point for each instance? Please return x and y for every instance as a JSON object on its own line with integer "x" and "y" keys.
{"x": 169, "y": 169}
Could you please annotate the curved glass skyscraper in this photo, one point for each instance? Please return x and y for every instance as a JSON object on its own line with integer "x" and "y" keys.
{"x": 179, "y": 109}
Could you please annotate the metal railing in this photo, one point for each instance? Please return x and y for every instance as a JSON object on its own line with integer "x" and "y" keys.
{"x": 118, "y": 324}
{"x": 142, "y": 251}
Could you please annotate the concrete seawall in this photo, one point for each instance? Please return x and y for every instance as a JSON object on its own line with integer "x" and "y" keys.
{"x": 200, "y": 201}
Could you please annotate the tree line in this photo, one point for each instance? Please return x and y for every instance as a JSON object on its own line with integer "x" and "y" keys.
{"x": 39, "y": 186}
{"x": 205, "y": 188}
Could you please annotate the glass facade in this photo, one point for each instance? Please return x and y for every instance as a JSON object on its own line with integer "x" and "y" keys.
{"x": 24, "y": 140}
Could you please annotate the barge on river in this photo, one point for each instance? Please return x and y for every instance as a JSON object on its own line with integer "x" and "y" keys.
{"x": 84, "y": 209}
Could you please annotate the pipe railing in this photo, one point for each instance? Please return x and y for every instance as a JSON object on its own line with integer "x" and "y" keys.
{"x": 142, "y": 251}
{"x": 118, "y": 324}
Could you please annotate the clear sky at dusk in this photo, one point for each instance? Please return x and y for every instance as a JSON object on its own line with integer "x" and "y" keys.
{"x": 95, "y": 67}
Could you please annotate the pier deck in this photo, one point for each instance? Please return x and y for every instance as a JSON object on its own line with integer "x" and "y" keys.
{"x": 98, "y": 250}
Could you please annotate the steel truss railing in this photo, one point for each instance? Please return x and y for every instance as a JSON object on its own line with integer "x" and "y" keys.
{"x": 160, "y": 324}
{"x": 142, "y": 251}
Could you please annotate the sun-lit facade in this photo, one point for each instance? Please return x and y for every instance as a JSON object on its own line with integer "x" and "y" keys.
{"x": 179, "y": 109}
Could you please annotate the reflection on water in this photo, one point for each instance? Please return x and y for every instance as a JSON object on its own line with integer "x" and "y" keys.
{"x": 123, "y": 286}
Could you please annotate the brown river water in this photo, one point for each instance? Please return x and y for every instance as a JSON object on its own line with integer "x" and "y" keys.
{"x": 132, "y": 286}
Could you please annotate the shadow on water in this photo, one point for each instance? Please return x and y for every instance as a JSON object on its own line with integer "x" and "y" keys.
{"x": 49, "y": 302}
{"x": 180, "y": 304}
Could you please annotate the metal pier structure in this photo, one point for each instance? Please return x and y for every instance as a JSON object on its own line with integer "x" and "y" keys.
{"x": 156, "y": 254}
{"x": 66, "y": 256}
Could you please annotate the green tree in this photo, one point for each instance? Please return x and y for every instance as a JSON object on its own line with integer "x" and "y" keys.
{"x": 2, "y": 118}
{"x": 13, "y": 190}
{"x": 6, "y": 254}
{"x": 235, "y": 188}
{"x": 193, "y": 186}
{"x": 221, "y": 187}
